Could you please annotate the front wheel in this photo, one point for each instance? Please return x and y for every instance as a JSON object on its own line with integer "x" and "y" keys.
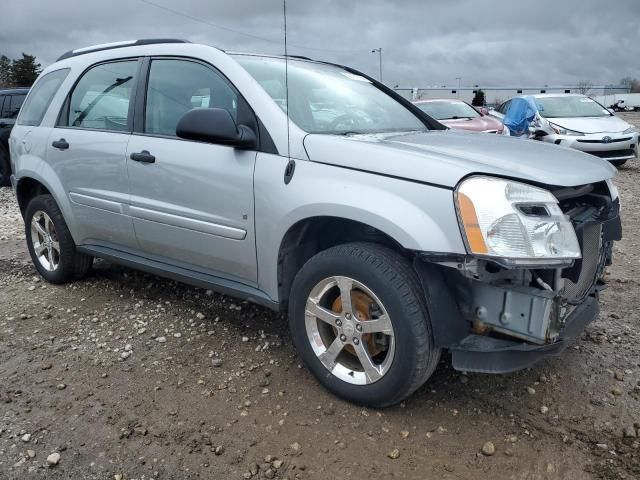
{"x": 618, "y": 163}
{"x": 50, "y": 244}
{"x": 360, "y": 324}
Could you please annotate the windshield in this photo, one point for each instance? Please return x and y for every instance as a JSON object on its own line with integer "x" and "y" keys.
{"x": 559, "y": 107}
{"x": 442, "y": 110}
{"x": 328, "y": 99}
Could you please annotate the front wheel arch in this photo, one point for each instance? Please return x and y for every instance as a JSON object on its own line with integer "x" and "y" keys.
{"x": 312, "y": 235}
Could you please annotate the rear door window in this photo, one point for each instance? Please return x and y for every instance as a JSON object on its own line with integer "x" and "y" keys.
{"x": 101, "y": 98}
{"x": 39, "y": 98}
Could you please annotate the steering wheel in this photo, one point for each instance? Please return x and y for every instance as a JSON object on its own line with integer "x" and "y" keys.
{"x": 343, "y": 122}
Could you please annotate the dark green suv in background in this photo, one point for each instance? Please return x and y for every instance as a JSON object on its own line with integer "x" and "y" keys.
{"x": 10, "y": 102}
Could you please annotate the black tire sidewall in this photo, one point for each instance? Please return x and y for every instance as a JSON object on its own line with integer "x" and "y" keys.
{"x": 407, "y": 339}
{"x": 65, "y": 270}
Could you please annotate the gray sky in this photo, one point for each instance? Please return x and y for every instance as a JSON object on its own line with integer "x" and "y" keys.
{"x": 425, "y": 42}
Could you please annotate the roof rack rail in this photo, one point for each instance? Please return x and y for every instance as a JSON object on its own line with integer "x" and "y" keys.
{"x": 110, "y": 46}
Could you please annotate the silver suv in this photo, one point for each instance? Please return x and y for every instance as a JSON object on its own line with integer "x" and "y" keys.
{"x": 310, "y": 187}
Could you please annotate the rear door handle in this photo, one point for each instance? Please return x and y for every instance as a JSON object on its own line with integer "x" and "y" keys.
{"x": 60, "y": 144}
{"x": 144, "y": 156}
{"x": 2, "y": 124}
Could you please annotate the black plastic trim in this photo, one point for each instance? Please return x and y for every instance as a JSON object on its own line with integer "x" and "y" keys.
{"x": 266, "y": 143}
{"x": 191, "y": 277}
{"x": 141, "y": 95}
{"x": 449, "y": 326}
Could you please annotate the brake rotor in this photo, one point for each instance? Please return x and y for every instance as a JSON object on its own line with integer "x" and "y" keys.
{"x": 362, "y": 305}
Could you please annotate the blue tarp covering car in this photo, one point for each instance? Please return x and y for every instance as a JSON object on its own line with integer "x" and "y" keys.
{"x": 521, "y": 113}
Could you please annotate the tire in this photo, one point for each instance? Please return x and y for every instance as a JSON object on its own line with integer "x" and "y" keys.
{"x": 618, "y": 163}
{"x": 68, "y": 264}
{"x": 5, "y": 168}
{"x": 389, "y": 278}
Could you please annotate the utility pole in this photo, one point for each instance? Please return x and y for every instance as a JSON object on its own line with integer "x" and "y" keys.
{"x": 379, "y": 51}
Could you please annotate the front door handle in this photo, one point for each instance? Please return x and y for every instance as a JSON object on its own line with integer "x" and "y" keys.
{"x": 144, "y": 156}
{"x": 60, "y": 144}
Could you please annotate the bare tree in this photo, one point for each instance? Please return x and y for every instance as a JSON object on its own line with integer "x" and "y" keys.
{"x": 584, "y": 87}
{"x": 632, "y": 83}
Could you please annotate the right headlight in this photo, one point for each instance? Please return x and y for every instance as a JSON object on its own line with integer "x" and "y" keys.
{"x": 564, "y": 131}
{"x": 514, "y": 224}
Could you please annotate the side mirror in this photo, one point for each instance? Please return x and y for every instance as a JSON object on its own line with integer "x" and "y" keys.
{"x": 484, "y": 111}
{"x": 611, "y": 111}
{"x": 540, "y": 133}
{"x": 214, "y": 125}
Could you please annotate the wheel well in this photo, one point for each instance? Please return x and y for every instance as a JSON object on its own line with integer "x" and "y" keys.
{"x": 28, "y": 188}
{"x": 313, "y": 235}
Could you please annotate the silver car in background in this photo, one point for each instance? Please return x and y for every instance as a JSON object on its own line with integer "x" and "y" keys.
{"x": 577, "y": 121}
{"x": 313, "y": 189}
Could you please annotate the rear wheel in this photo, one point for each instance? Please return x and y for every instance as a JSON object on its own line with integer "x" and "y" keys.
{"x": 50, "y": 244}
{"x": 360, "y": 324}
{"x": 5, "y": 168}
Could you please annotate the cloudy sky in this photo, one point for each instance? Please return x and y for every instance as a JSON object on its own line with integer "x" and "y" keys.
{"x": 424, "y": 42}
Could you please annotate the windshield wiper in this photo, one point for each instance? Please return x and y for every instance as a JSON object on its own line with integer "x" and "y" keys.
{"x": 455, "y": 118}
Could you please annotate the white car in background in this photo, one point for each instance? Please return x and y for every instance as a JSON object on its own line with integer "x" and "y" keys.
{"x": 579, "y": 122}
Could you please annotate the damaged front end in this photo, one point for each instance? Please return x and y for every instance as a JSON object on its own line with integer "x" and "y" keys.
{"x": 503, "y": 317}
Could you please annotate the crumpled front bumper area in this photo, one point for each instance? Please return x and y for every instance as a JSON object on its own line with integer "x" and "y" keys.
{"x": 476, "y": 353}
{"x": 502, "y": 320}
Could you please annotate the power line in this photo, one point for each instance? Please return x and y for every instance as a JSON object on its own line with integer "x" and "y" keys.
{"x": 239, "y": 32}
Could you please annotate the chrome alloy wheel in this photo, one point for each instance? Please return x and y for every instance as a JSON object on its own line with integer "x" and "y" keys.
{"x": 349, "y": 330}
{"x": 44, "y": 240}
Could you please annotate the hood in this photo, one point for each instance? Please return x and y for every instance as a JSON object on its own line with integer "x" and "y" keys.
{"x": 444, "y": 157}
{"x": 609, "y": 124}
{"x": 477, "y": 124}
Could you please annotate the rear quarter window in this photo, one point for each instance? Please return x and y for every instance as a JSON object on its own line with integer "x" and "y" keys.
{"x": 39, "y": 98}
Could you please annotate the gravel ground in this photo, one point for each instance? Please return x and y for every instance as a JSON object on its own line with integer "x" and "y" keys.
{"x": 130, "y": 376}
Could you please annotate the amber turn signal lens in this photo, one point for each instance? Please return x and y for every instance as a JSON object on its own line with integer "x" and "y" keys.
{"x": 471, "y": 225}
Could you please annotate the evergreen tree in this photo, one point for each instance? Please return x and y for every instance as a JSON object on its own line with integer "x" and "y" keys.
{"x": 5, "y": 72}
{"x": 25, "y": 70}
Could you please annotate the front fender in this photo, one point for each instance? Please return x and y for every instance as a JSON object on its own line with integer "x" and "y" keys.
{"x": 417, "y": 216}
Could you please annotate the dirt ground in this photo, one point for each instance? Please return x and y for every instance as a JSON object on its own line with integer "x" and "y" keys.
{"x": 130, "y": 376}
